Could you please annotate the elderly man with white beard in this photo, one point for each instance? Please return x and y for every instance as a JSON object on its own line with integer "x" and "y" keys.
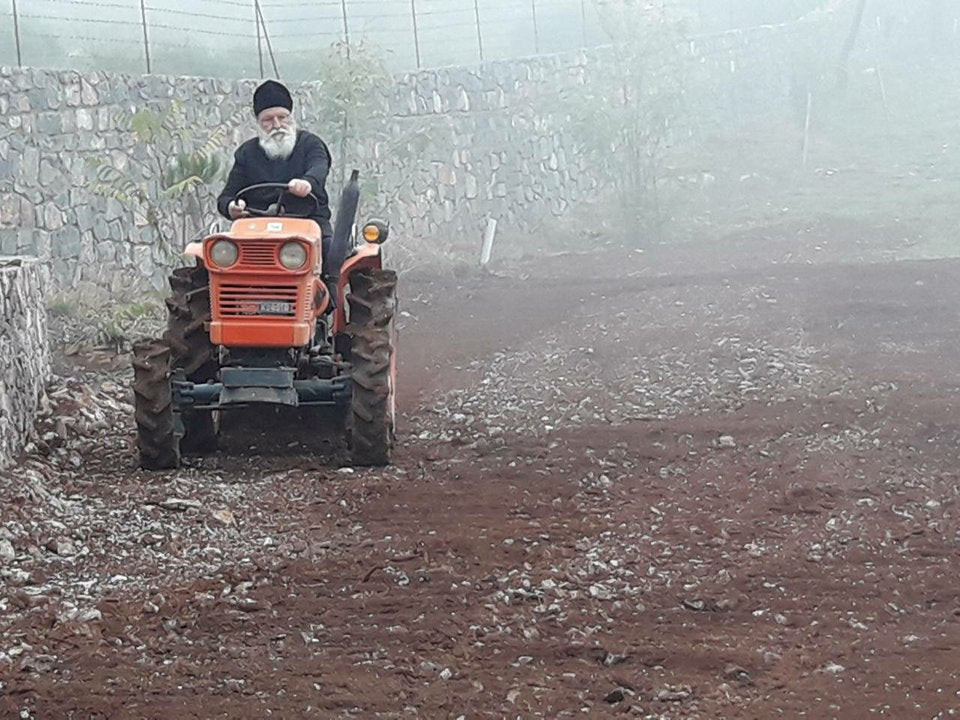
{"x": 281, "y": 154}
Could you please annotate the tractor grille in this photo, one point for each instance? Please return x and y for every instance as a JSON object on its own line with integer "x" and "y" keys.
{"x": 258, "y": 253}
{"x": 237, "y": 300}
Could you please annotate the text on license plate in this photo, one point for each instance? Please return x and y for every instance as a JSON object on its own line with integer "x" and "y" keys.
{"x": 276, "y": 307}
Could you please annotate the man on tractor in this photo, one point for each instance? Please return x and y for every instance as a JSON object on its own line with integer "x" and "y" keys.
{"x": 251, "y": 317}
{"x": 281, "y": 153}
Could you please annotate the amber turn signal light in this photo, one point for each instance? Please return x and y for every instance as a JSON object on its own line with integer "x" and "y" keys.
{"x": 376, "y": 231}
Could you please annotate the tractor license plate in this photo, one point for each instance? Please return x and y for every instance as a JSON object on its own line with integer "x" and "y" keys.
{"x": 275, "y": 307}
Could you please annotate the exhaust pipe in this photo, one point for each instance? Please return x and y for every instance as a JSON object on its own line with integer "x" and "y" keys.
{"x": 343, "y": 229}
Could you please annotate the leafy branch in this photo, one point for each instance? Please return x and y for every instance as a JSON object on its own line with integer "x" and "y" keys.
{"x": 171, "y": 179}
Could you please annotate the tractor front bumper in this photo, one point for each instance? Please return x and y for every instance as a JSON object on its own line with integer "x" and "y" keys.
{"x": 247, "y": 386}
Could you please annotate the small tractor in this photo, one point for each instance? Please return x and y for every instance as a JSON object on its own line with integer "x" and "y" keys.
{"x": 251, "y": 322}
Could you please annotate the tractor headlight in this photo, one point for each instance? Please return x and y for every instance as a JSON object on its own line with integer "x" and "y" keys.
{"x": 293, "y": 255}
{"x": 224, "y": 253}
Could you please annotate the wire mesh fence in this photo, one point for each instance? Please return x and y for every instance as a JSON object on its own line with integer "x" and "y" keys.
{"x": 251, "y": 38}
{"x": 256, "y": 38}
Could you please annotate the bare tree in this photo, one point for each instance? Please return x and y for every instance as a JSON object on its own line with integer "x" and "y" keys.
{"x": 843, "y": 71}
{"x": 625, "y": 117}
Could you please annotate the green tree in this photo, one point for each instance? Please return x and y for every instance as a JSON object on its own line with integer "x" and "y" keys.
{"x": 627, "y": 112}
{"x": 350, "y": 90}
{"x": 172, "y": 178}
{"x": 353, "y": 84}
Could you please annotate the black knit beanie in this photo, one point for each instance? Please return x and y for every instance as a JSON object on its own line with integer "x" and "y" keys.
{"x": 269, "y": 95}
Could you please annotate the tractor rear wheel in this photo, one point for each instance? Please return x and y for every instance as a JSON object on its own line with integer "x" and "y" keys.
{"x": 188, "y": 312}
{"x": 157, "y": 436}
{"x": 372, "y": 419}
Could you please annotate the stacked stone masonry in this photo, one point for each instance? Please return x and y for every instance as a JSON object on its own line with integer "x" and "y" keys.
{"x": 478, "y": 147}
{"x": 24, "y": 351}
{"x": 460, "y": 145}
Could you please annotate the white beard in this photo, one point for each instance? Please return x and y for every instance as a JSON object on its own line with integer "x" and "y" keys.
{"x": 278, "y": 144}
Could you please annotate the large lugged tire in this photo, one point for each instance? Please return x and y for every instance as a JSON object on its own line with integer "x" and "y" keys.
{"x": 188, "y": 312}
{"x": 372, "y": 418}
{"x": 157, "y": 435}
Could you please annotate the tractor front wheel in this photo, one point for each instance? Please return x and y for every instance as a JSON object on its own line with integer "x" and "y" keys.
{"x": 157, "y": 435}
{"x": 188, "y": 312}
{"x": 372, "y": 419}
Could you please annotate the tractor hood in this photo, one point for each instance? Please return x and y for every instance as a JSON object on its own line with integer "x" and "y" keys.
{"x": 279, "y": 227}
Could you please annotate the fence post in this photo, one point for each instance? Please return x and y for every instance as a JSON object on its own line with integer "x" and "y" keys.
{"x": 266, "y": 37}
{"x": 476, "y": 11}
{"x": 583, "y": 20}
{"x": 16, "y": 34}
{"x": 536, "y": 30}
{"x": 346, "y": 26}
{"x": 806, "y": 129}
{"x": 146, "y": 39}
{"x": 416, "y": 31}
{"x": 256, "y": 20}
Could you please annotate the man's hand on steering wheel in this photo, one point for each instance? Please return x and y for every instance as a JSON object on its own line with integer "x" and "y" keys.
{"x": 299, "y": 187}
{"x": 237, "y": 209}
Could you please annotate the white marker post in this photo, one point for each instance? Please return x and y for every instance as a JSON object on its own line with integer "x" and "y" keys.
{"x": 488, "y": 237}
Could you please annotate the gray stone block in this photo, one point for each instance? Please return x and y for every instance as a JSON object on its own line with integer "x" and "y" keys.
{"x": 30, "y": 172}
{"x": 101, "y": 229}
{"x": 50, "y": 123}
{"x": 83, "y": 216}
{"x": 114, "y": 209}
{"x": 48, "y": 173}
{"x": 26, "y": 241}
{"x": 9, "y": 240}
{"x": 66, "y": 242}
{"x": 88, "y": 93}
{"x": 53, "y": 218}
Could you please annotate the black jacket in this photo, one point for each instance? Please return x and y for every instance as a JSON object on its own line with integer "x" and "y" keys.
{"x": 310, "y": 160}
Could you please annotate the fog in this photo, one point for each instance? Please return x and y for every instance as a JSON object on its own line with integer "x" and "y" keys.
{"x": 770, "y": 107}
{"x": 679, "y": 440}
{"x": 220, "y": 37}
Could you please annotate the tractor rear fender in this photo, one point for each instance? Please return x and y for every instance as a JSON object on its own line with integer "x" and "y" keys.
{"x": 367, "y": 257}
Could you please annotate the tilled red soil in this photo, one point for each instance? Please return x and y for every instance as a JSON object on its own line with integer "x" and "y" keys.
{"x": 682, "y": 483}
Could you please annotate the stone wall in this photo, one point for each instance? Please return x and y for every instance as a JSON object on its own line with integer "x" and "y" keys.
{"x": 458, "y": 145}
{"x": 458, "y": 148}
{"x": 23, "y": 349}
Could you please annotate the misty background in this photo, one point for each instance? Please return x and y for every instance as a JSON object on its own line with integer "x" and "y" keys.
{"x": 775, "y": 111}
{"x": 225, "y": 37}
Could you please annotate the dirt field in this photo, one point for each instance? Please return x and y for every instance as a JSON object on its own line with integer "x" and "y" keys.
{"x": 701, "y": 482}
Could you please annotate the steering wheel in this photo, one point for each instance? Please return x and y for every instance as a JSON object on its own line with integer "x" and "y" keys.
{"x": 276, "y": 209}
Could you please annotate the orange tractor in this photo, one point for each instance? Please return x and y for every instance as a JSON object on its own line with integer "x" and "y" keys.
{"x": 252, "y": 322}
